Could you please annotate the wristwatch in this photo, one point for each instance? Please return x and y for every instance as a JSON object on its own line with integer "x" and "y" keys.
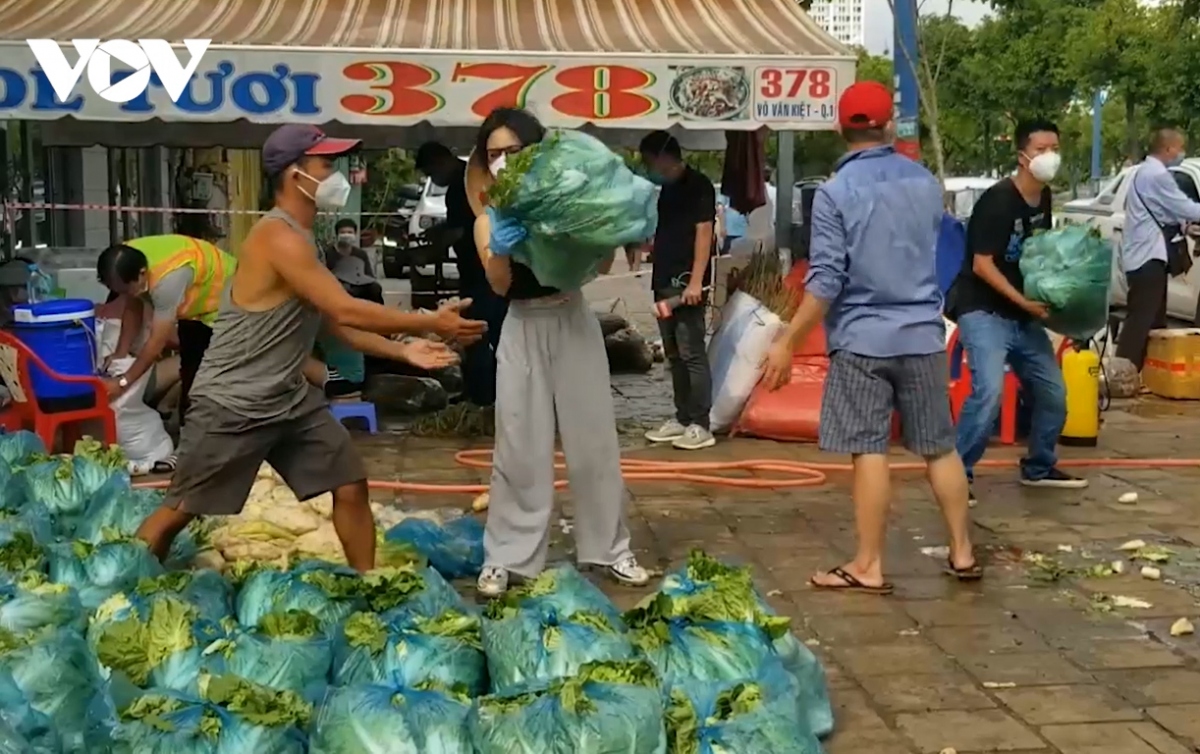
{"x": 123, "y": 383}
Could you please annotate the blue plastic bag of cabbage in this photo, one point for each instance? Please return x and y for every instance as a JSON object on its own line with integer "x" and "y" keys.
{"x": 31, "y": 602}
{"x": 445, "y": 650}
{"x": 20, "y": 553}
{"x": 706, "y": 589}
{"x": 59, "y": 677}
{"x": 118, "y": 509}
{"x": 606, "y": 707}
{"x": 17, "y": 449}
{"x": 285, "y": 651}
{"x": 327, "y": 591}
{"x": 455, "y": 550}
{"x": 23, "y": 730}
{"x": 547, "y": 629}
{"x": 33, "y": 519}
{"x": 747, "y": 716}
{"x": 578, "y": 202}
{"x": 204, "y": 589}
{"x": 1070, "y": 269}
{"x": 98, "y": 571}
{"x": 391, "y": 717}
{"x": 66, "y": 484}
{"x": 230, "y": 715}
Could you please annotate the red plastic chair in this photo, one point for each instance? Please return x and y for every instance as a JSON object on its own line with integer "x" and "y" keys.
{"x": 16, "y": 360}
{"x": 960, "y": 388}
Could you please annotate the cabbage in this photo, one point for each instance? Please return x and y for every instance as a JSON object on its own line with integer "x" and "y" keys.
{"x": 59, "y": 678}
{"x": 230, "y": 716}
{"x": 455, "y": 550}
{"x": 681, "y": 649}
{"x": 548, "y": 629}
{"x": 328, "y": 592}
{"x": 287, "y": 651}
{"x": 65, "y": 485}
{"x": 388, "y": 718}
{"x": 23, "y": 730}
{"x": 408, "y": 592}
{"x": 205, "y": 589}
{"x": 708, "y": 590}
{"x": 743, "y": 717}
{"x": 99, "y": 571}
{"x": 17, "y": 449}
{"x": 20, "y": 553}
{"x": 151, "y": 641}
{"x": 118, "y": 510}
{"x": 446, "y": 651}
{"x": 607, "y": 707}
{"x": 31, "y": 602}
{"x": 32, "y": 519}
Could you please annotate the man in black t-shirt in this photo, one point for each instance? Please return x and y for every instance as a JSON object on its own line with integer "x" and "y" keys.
{"x": 997, "y": 325}
{"x": 683, "y": 244}
{"x": 437, "y": 162}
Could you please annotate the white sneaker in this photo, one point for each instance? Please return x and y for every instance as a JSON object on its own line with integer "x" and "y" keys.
{"x": 695, "y": 437}
{"x": 629, "y": 573}
{"x": 668, "y": 432}
{"x": 493, "y": 582}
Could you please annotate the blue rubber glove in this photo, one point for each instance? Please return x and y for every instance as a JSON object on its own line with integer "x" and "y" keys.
{"x": 506, "y": 233}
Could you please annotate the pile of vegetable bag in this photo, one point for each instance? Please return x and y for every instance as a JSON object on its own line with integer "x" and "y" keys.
{"x": 204, "y": 589}
{"x": 606, "y": 707}
{"x": 708, "y": 590}
{"x": 742, "y": 717}
{"x": 66, "y": 484}
{"x": 1070, "y": 270}
{"x": 578, "y": 201}
{"x": 31, "y": 602}
{"x": 445, "y": 651}
{"x": 285, "y": 651}
{"x": 100, "y": 570}
{"x": 118, "y": 510}
{"x": 230, "y": 715}
{"x": 548, "y": 629}
{"x": 23, "y": 730}
{"x": 453, "y": 549}
{"x": 326, "y": 591}
{"x": 18, "y": 449}
{"x": 58, "y": 677}
{"x": 389, "y": 717}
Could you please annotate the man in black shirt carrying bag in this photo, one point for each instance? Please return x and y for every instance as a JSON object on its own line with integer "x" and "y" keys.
{"x": 683, "y": 244}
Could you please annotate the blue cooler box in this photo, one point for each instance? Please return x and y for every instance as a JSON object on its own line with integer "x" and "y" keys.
{"x": 63, "y": 334}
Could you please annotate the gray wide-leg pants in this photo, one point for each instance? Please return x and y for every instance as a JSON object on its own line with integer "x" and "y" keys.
{"x": 552, "y": 371}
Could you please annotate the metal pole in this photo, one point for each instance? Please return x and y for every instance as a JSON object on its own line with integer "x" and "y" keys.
{"x": 907, "y": 93}
{"x": 1097, "y": 135}
{"x": 785, "y": 179}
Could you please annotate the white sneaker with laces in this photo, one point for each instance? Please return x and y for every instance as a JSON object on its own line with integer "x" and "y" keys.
{"x": 493, "y": 581}
{"x": 668, "y": 432}
{"x": 628, "y": 572}
{"x": 695, "y": 437}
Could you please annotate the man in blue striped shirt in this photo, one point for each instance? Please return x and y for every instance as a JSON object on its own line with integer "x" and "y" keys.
{"x": 873, "y": 277}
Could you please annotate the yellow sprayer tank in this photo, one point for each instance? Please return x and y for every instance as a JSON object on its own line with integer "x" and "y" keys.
{"x": 1081, "y": 375}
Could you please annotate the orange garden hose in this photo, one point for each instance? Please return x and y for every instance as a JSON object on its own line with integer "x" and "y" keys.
{"x": 792, "y": 473}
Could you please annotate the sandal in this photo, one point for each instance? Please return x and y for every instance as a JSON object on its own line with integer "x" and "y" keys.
{"x": 851, "y": 584}
{"x": 165, "y": 466}
{"x": 973, "y": 572}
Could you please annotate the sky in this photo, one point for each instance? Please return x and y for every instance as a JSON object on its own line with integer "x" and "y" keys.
{"x": 878, "y": 16}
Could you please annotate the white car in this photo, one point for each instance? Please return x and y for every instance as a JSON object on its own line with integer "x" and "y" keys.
{"x": 1107, "y": 213}
{"x": 430, "y": 211}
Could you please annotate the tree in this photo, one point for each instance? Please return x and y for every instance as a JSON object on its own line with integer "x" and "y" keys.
{"x": 927, "y": 71}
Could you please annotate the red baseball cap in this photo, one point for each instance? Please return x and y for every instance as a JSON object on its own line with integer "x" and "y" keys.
{"x": 287, "y": 144}
{"x": 866, "y": 104}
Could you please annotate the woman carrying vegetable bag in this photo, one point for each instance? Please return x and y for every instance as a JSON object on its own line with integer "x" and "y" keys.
{"x": 552, "y": 371}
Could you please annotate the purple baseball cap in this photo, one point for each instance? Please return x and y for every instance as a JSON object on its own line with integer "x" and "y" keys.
{"x": 287, "y": 144}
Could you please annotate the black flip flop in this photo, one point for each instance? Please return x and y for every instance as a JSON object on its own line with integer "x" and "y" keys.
{"x": 851, "y": 584}
{"x": 166, "y": 466}
{"x": 973, "y": 572}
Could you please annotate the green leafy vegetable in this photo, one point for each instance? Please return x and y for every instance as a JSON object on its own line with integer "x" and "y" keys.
{"x": 386, "y": 588}
{"x": 572, "y": 692}
{"x": 291, "y": 624}
{"x": 259, "y": 705}
{"x": 366, "y": 630}
{"x": 21, "y": 553}
{"x": 503, "y": 190}
{"x": 684, "y": 723}
{"x": 453, "y": 624}
{"x": 111, "y": 457}
{"x": 135, "y": 646}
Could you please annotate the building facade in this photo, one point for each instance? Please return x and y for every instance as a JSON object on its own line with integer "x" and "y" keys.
{"x": 843, "y": 19}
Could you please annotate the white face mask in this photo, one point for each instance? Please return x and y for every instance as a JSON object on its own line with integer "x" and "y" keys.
{"x": 1045, "y": 166}
{"x": 331, "y": 193}
{"x": 346, "y": 238}
{"x": 498, "y": 165}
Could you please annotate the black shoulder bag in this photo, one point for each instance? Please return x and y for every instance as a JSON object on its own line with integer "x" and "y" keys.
{"x": 1179, "y": 261}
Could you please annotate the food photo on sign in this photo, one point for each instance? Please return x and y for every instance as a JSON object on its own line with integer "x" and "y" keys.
{"x": 709, "y": 93}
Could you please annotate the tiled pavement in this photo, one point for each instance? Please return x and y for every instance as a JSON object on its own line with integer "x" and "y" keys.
{"x": 1034, "y": 659}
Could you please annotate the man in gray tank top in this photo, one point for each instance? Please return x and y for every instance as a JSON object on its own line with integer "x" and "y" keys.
{"x": 257, "y": 396}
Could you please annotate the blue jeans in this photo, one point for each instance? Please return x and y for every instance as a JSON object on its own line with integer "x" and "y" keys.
{"x": 991, "y": 342}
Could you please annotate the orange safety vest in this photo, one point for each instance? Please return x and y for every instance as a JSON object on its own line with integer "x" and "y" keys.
{"x": 210, "y": 266}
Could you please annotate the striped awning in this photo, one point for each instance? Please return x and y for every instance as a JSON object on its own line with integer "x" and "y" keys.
{"x": 679, "y": 27}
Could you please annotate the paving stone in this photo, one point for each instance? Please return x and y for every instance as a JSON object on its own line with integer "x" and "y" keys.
{"x": 1181, "y": 719}
{"x": 970, "y": 612}
{"x": 861, "y": 629}
{"x": 1032, "y": 669}
{"x": 980, "y": 731}
{"x": 1112, "y": 738}
{"x": 994, "y": 639}
{"x": 907, "y": 658}
{"x": 1146, "y": 688}
{"x": 857, "y": 726}
{"x": 1050, "y": 705}
{"x": 811, "y": 601}
{"x": 925, "y": 693}
{"x": 1121, "y": 655}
